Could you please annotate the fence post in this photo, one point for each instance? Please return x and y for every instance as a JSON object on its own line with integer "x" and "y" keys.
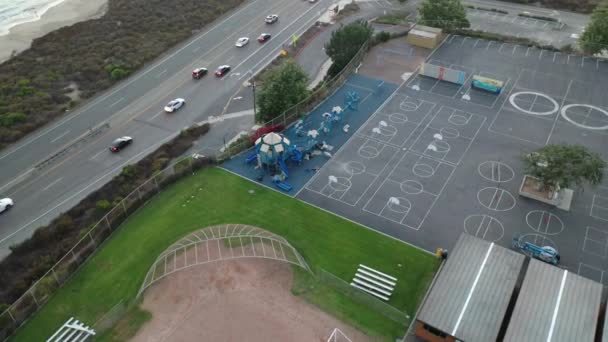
{"x": 156, "y": 183}
{"x": 123, "y": 205}
{"x": 139, "y": 192}
{"x": 108, "y": 222}
{"x": 73, "y": 255}
{"x": 10, "y": 314}
{"x": 55, "y": 276}
{"x": 91, "y": 237}
{"x": 34, "y": 297}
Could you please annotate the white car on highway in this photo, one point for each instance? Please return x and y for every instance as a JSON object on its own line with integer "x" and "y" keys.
{"x": 242, "y": 42}
{"x": 5, "y": 204}
{"x": 174, "y": 105}
{"x": 271, "y": 19}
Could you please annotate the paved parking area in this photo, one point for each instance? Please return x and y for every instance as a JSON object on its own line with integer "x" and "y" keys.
{"x": 544, "y": 31}
{"x": 438, "y": 159}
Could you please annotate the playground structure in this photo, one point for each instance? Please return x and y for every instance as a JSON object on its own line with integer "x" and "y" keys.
{"x": 547, "y": 254}
{"x": 272, "y": 151}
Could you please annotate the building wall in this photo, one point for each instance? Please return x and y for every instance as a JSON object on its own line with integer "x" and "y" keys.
{"x": 424, "y": 42}
{"x": 426, "y": 335}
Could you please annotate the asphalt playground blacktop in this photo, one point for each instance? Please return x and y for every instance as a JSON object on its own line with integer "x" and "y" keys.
{"x": 437, "y": 159}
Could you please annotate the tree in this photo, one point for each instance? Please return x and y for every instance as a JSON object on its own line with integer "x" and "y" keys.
{"x": 565, "y": 165}
{"x": 445, "y": 14}
{"x": 345, "y": 42}
{"x": 282, "y": 87}
{"x": 595, "y": 37}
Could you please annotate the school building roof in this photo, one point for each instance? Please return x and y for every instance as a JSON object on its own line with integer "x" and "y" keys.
{"x": 472, "y": 292}
{"x": 555, "y": 305}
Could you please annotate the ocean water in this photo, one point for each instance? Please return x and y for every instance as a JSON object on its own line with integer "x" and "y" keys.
{"x": 15, "y": 12}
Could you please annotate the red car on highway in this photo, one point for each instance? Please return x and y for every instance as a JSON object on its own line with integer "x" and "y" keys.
{"x": 222, "y": 70}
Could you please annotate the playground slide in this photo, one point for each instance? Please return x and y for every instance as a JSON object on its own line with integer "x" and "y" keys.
{"x": 284, "y": 186}
{"x": 296, "y": 156}
{"x": 283, "y": 168}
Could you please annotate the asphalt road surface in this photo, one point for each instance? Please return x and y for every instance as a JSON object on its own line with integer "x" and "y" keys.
{"x": 135, "y": 108}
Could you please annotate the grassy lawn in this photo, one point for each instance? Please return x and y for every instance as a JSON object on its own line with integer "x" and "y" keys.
{"x": 116, "y": 271}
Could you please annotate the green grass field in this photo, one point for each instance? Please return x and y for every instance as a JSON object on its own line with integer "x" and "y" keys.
{"x": 116, "y": 271}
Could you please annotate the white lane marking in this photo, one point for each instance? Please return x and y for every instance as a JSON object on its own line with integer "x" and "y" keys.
{"x": 53, "y": 183}
{"x": 117, "y": 102}
{"x": 156, "y": 115}
{"x": 286, "y": 27}
{"x": 160, "y": 73}
{"x": 135, "y": 78}
{"x": 60, "y": 136}
{"x": 97, "y": 154}
{"x": 151, "y": 148}
{"x": 197, "y": 49}
{"x": 17, "y": 179}
{"x": 229, "y": 59}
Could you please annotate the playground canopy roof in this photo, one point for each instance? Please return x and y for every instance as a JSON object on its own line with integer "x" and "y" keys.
{"x": 472, "y": 292}
{"x": 555, "y": 305}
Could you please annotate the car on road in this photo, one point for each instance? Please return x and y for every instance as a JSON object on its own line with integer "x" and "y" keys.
{"x": 264, "y": 37}
{"x": 120, "y": 143}
{"x": 174, "y": 105}
{"x": 222, "y": 70}
{"x": 242, "y": 42}
{"x": 5, "y": 204}
{"x": 271, "y": 19}
{"x": 198, "y": 73}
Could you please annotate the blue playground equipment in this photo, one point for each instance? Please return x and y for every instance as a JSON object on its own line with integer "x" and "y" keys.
{"x": 352, "y": 100}
{"x": 273, "y": 150}
{"x": 547, "y": 254}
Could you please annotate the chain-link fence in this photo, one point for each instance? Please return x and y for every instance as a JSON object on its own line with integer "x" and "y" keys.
{"x": 364, "y": 298}
{"x": 39, "y": 293}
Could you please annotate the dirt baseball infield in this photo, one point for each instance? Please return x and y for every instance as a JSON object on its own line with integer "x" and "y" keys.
{"x": 236, "y": 300}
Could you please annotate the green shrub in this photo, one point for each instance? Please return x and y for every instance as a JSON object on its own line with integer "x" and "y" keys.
{"x": 382, "y": 37}
{"x": 118, "y": 74}
{"x": 10, "y": 119}
{"x": 103, "y": 205}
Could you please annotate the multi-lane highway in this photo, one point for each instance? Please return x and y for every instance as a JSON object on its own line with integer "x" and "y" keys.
{"x": 135, "y": 108}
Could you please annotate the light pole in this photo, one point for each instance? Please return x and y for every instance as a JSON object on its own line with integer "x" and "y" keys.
{"x": 253, "y": 89}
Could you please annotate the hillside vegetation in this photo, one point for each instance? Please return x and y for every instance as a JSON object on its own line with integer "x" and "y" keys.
{"x": 76, "y": 62}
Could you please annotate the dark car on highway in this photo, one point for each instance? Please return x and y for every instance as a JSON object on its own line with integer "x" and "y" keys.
{"x": 264, "y": 37}
{"x": 120, "y": 143}
{"x": 198, "y": 73}
{"x": 222, "y": 70}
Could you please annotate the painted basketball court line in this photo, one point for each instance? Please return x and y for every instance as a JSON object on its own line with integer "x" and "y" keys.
{"x": 599, "y": 204}
{"x": 385, "y": 194}
{"x": 311, "y": 182}
{"x": 341, "y": 183}
{"x": 384, "y": 126}
{"x": 437, "y": 133}
{"x": 596, "y": 242}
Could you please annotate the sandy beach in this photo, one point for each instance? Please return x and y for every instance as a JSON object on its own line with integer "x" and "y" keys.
{"x": 67, "y": 13}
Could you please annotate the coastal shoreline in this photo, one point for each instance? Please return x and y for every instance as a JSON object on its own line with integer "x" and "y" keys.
{"x": 67, "y": 13}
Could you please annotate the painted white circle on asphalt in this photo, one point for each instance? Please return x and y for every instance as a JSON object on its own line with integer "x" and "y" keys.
{"x": 580, "y": 125}
{"x": 528, "y": 111}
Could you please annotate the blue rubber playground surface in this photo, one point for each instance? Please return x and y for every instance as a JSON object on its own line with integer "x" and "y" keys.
{"x": 372, "y": 93}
